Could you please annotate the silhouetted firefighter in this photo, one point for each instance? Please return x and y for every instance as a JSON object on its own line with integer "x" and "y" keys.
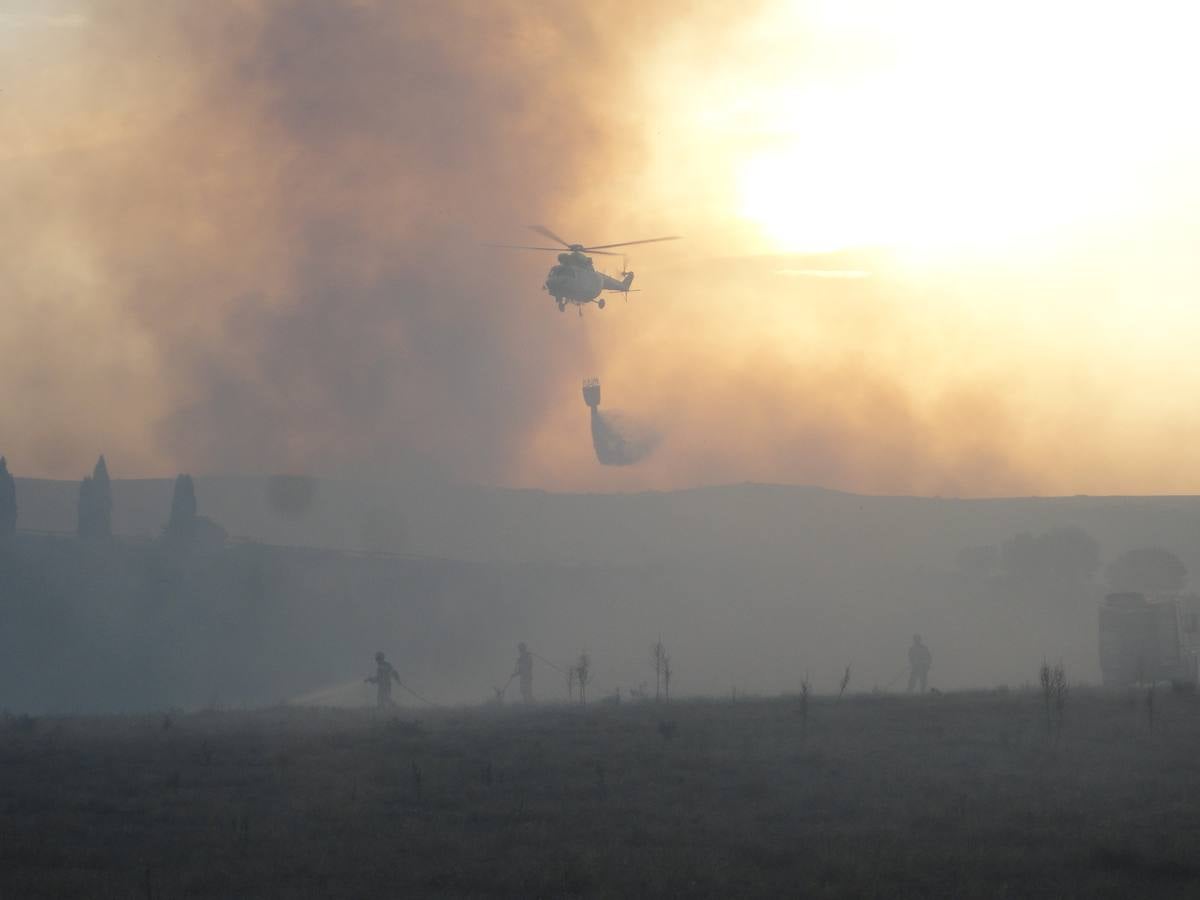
{"x": 8, "y": 501}
{"x": 524, "y": 671}
{"x": 382, "y": 679}
{"x": 919, "y": 661}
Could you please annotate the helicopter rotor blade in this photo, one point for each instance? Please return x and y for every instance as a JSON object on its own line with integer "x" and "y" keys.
{"x": 673, "y": 237}
{"x": 546, "y": 232}
{"x": 601, "y": 253}
{"x": 524, "y": 247}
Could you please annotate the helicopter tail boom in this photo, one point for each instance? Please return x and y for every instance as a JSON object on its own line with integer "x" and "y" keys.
{"x": 612, "y": 284}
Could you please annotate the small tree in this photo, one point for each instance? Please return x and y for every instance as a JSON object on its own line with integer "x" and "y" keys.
{"x": 805, "y": 692}
{"x": 582, "y": 675}
{"x": 658, "y": 656}
{"x": 8, "y": 501}
{"x": 1055, "y": 690}
{"x": 104, "y": 502}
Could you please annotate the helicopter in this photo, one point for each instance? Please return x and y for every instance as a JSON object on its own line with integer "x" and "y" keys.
{"x": 575, "y": 280}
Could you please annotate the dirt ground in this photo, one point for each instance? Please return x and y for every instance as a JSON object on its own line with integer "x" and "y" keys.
{"x": 958, "y": 795}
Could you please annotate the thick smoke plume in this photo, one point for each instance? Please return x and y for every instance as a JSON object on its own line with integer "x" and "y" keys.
{"x": 246, "y": 237}
{"x": 250, "y": 233}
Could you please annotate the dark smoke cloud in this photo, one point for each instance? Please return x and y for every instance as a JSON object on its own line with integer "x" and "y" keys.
{"x": 290, "y": 236}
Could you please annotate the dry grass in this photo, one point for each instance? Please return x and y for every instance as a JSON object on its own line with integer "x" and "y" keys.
{"x": 957, "y": 795}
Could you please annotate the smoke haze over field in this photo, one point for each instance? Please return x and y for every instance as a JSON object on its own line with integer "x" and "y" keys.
{"x": 246, "y": 237}
{"x": 905, "y": 405}
{"x": 260, "y": 238}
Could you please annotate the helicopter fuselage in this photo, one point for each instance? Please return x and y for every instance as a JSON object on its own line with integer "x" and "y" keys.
{"x": 575, "y": 280}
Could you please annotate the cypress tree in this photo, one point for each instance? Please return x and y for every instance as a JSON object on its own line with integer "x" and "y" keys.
{"x": 104, "y": 504}
{"x": 8, "y": 501}
{"x": 95, "y": 503}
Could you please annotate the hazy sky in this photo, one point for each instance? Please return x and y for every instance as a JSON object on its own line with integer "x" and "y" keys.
{"x": 931, "y": 247}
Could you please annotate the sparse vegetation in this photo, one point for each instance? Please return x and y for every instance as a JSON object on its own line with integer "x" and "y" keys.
{"x": 887, "y": 797}
{"x": 805, "y": 691}
{"x": 583, "y": 675}
{"x": 661, "y": 663}
{"x": 1053, "y": 680}
{"x": 8, "y": 501}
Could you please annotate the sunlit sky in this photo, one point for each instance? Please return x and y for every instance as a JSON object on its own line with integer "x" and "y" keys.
{"x": 933, "y": 127}
{"x": 930, "y": 247}
{"x": 1022, "y": 178}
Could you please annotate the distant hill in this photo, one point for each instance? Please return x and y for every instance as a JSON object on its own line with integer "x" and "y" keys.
{"x": 748, "y": 522}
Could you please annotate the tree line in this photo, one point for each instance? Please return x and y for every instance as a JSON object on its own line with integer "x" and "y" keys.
{"x": 1069, "y": 555}
{"x": 95, "y": 508}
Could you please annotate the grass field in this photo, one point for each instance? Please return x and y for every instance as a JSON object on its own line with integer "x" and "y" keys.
{"x": 963, "y": 795}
